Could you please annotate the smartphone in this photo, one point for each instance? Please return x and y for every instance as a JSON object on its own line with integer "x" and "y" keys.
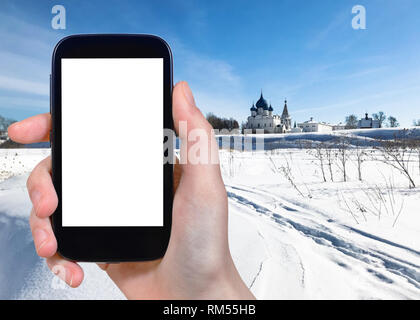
{"x": 111, "y": 98}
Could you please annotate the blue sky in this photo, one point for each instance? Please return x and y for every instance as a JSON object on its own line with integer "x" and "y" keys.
{"x": 228, "y": 51}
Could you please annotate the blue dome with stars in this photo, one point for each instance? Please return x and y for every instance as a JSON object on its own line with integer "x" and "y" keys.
{"x": 262, "y": 103}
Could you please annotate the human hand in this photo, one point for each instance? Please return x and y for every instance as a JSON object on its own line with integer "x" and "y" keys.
{"x": 197, "y": 263}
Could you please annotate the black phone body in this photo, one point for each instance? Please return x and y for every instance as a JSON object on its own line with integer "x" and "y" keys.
{"x": 99, "y": 219}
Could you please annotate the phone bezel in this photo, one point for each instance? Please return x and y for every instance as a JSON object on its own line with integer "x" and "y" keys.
{"x": 110, "y": 244}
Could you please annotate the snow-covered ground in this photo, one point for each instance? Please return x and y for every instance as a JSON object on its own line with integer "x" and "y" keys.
{"x": 292, "y": 235}
{"x": 314, "y": 242}
{"x": 23, "y": 275}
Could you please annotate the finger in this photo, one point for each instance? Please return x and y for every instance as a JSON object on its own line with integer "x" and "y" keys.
{"x": 199, "y": 151}
{"x": 31, "y": 130}
{"x": 43, "y": 235}
{"x": 68, "y": 271}
{"x": 41, "y": 189}
{"x": 103, "y": 266}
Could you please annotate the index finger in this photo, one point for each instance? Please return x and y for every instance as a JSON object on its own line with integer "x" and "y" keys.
{"x": 31, "y": 130}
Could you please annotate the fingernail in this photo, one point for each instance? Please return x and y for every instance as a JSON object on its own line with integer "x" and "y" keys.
{"x": 40, "y": 236}
{"x": 35, "y": 196}
{"x": 188, "y": 94}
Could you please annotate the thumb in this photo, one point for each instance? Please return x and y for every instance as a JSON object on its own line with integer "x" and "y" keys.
{"x": 199, "y": 152}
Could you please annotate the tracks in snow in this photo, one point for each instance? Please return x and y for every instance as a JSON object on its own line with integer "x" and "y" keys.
{"x": 316, "y": 225}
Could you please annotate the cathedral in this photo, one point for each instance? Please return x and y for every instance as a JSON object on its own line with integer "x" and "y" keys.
{"x": 262, "y": 118}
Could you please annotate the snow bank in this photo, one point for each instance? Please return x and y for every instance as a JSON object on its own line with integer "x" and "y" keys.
{"x": 306, "y": 244}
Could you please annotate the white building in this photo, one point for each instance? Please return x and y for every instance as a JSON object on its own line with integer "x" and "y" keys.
{"x": 368, "y": 123}
{"x": 262, "y": 118}
{"x": 339, "y": 126}
{"x": 314, "y": 126}
{"x": 296, "y": 130}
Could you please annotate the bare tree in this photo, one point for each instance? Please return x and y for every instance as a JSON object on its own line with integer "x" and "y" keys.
{"x": 397, "y": 153}
{"x": 393, "y": 122}
{"x": 351, "y": 122}
{"x": 380, "y": 116}
{"x": 231, "y": 163}
{"x": 414, "y": 144}
{"x": 347, "y": 205}
{"x": 318, "y": 152}
{"x": 360, "y": 158}
{"x": 286, "y": 170}
{"x": 329, "y": 155}
{"x": 342, "y": 156}
{"x": 221, "y": 123}
{"x": 377, "y": 200}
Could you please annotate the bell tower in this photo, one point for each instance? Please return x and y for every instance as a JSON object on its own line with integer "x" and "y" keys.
{"x": 285, "y": 118}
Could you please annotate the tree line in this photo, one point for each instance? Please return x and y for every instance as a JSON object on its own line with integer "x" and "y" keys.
{"x": 351, "y": 121}
{"x": 220, "y": 123}
{"x": 5, "y": 123}
{"x": 390, "y": 121}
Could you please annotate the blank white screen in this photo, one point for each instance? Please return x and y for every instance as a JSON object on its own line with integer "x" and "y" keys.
{"x": 112, "y": 142}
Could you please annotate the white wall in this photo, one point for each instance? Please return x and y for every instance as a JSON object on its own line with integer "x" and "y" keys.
{"x": 315, "y": 127}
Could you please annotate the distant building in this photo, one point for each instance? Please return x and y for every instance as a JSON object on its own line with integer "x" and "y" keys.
{"x": 368, "y": 123}
{"x": 339, "y": 126}
{"x": 262, "y": 118}
{"x": 314, "y": 126}
{"x": 296, "y": 129}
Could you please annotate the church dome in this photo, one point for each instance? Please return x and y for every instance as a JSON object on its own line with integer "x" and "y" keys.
{"x": 262, "y": 103}
{"x": 253, "y": 108}
{"x": 270, "y": 108}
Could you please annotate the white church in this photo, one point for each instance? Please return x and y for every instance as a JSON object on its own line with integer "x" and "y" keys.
{"x": 262, "y": 118}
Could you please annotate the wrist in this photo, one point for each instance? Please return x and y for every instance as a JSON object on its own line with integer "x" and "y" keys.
{"x": 236, "y": 288}
{"x": 227, "y": 285}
